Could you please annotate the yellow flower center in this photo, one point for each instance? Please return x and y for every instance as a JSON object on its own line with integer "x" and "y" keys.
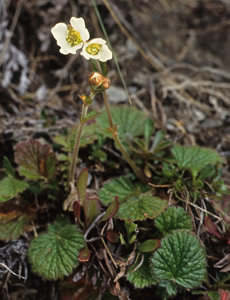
{"x": 73, "y": 37}
{"x": 93, "y": 48}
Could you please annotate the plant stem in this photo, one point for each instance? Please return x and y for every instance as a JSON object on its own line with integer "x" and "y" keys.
{"x": 77, "y": 146}
{"x": 107, "y": 107}
{"x": 132, "y": 164}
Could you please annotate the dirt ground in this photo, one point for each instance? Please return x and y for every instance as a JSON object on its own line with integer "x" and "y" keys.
{"x": 174, "y": 56}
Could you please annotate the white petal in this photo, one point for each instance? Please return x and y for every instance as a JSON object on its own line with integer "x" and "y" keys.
{"x": 85, "y": 54}
{"x": 105, "y": 53}
{"x": 76, "y": 23}
{"x": 96, "y": 41}
{"x": 64, "y": 51}
{"x": 79, "y": 25}
{"x": 60, "y": 32}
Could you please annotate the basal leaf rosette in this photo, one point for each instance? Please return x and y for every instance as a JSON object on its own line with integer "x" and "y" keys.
{"x": 173, "y": 218}
{"x": 180, "y": 260}
{"x": 54, "y": 254}
{"x": 142, "y": 207}
{"x": 141, "y": 276}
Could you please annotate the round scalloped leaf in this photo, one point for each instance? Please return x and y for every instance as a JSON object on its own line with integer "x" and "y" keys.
{"x": 54, "y": 254}
{"x": 11, "y": 230}
{"x": 172, "y": 219}
{"x": 141, "y": 277}
{"x": 11, "y": 187}
{"x": 121, "y": 187}
{"x": 195, "y": 158}
{"x": 181, "y": 259}
{"x": 126, "y": 119}
{"x": 142, "y": 207}
{"x": 35, "y": 160}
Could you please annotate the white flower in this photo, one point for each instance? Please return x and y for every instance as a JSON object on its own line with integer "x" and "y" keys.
{"x": 70, "y": 37}
{"x": 96, "y": 49}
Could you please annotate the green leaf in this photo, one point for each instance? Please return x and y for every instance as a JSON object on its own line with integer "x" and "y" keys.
{"x": 142, "y": 207}
{"x": 11, "y": 230}
{"x": 181, "y": 259}
{"x": 194, "y": 158}
{"x": 54, "y": 254}
{"x": 35, "y": 160}
{"x": 111, "y": 210}
{"x": 158, "y": 139}
{"x": 92, "y": 208}
{"x": 141, "y": 277}
{"x": 148, "y": 130}
{"x": 82, "y": 182}
{"x": 167, "y": 289}
{"x": 121, "y": 187}
{"x": 89, "y": 135}
{"x": 131, "y": 231}
{"x": 8, "y": 166}
{"x": 84, "y": 255}
{"x": 172, "y": 219}
{"x": 125, "y": 118}
{"x": 11, "y": 187}
{"x": 148, "y": 245}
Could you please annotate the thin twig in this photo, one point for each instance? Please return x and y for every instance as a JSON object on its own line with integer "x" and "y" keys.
{"x": 12, "y": 272}
{"x": 93, "y": 224}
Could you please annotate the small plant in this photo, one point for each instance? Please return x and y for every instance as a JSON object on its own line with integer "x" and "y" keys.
{"x": 128, "y": 232}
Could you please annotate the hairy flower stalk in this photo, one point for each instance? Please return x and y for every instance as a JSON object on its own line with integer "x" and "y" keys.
{"x": 115, "y": 135}
{"x": 77, "y": 146}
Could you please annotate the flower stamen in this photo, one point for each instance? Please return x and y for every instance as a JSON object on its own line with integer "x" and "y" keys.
{"x": 73, "y": 37}
{"x": 93, "y": 48}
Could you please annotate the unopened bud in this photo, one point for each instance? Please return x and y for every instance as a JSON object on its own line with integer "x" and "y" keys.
{"x": 96, "y": 79}
{"x": 87, "y": 100}
{"x": 106, "y": 83}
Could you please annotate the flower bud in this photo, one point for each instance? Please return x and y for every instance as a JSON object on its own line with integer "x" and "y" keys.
{"x": 106, "y": 83}
{"x": 96, "y": 79}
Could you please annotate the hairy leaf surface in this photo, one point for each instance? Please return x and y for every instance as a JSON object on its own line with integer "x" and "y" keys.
{"x": 54, "y": 254}
{"x": 181, "y": 259}
{"x": 11, "y": 230}
{"x": 141, "y": 277}
{"x": 35, "y": 160}
{"x": 142, "y": 207}
{"x": 172, "y": 219}
{"x": 121, "y": 187}
{"x": 194, "y": 158}
{"x": 126, "y": 119}
{"x": 11, "y": 187}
